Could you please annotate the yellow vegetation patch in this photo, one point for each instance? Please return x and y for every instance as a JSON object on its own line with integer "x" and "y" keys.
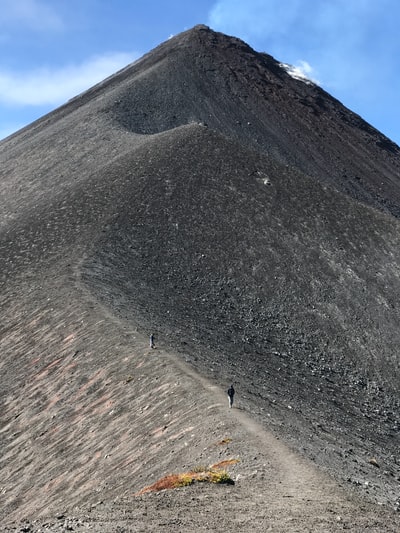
{"x": 173, "y": 481}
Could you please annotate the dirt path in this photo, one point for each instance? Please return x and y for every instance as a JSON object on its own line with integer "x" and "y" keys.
{"x": 165, "y": 418}
{"x": 289, "y": 479}
{"x": 295, "y": 469}
{"x": 289, "y": 492}
{"x": 274, "y": 475}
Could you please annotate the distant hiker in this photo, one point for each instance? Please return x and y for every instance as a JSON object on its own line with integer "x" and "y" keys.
{"x": 152, "y": 341}
{"x": 231, "y": 394}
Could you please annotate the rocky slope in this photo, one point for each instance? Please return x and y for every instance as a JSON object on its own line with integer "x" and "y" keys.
{"x": 249, "y": 220}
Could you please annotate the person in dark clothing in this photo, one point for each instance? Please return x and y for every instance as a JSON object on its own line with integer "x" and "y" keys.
{"x": 231, "y": 394}
{"x": 152, "y": 345}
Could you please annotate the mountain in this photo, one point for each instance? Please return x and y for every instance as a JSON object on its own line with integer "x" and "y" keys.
{"x": 250, "y": 221}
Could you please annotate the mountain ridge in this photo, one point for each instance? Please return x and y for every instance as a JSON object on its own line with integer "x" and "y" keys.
{"x": 267, "y": 118}
{"x": 246, "y": 218}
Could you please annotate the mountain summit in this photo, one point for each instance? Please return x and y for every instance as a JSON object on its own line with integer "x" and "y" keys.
{"x": 209, "y": 78}
{"x": 247, "y": 219}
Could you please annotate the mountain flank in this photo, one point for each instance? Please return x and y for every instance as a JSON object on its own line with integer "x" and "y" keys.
{"x": 248, "y": 220}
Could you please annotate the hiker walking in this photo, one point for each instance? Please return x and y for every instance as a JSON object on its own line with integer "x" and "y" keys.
{"x": 152, "y": 341}
{"x": 231, "y": 394}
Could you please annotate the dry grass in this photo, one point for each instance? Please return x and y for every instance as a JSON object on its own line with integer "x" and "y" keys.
{"x": 171, "y": 481}
{"x": 213, "y": 474}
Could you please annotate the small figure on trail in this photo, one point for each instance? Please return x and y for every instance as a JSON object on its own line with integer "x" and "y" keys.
{"x": 231, "y": 394}
{"x": 152, "y": 345}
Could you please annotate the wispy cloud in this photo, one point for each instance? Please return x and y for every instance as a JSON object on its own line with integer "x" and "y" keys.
{"x": 53, "y": 86}
{"x": 32, "y": 14}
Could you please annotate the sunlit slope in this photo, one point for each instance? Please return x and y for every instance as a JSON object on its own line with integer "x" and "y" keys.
{"x": 218, "y": 244}
{"x": 246, "y": 218}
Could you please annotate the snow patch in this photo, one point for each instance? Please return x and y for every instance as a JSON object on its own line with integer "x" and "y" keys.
{"x": 303, "y": 72}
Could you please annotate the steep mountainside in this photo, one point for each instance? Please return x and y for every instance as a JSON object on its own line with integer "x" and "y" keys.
{"x": 203, "y": 76}
{"x": 246, "y": 267}
{"x": 250, "y": 221}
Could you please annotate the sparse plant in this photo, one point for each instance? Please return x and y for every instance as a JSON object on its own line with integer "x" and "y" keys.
{"x": 172, "y": 481}
{"x": 220, "y": 476}
{"x": 200, "y": 474}
{"x": 184, "y": 480}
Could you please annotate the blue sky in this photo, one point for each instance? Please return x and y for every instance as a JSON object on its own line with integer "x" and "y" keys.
{"x": 51, "y": 50}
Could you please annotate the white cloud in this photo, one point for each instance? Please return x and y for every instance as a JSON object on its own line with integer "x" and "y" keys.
{"x": 54, "y": 86}
{"x": 34, "y": 14}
